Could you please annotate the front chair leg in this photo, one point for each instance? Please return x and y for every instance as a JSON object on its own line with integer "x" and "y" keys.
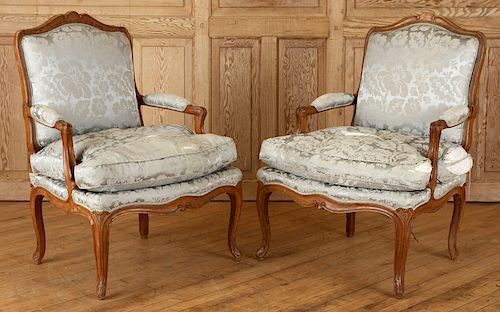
{"x": 100, "y": 230}
{"x": 234, "y": 219}
{"x": 458, "y": 211}
{"x": 350, "y": 224}
{"x": 144, "y": 225}
{"x": 403, "y": 222}
{"x": 263, "y": 212}
{"x": 37, "y": 218}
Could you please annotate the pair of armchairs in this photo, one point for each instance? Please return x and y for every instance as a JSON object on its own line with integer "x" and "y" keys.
{"x": 90, "y": 153}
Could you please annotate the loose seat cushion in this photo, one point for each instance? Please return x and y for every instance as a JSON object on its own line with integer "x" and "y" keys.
{"x": 364, "y": 157}
{"x": 124, "y": 159}
{"x": 386, "y": 198}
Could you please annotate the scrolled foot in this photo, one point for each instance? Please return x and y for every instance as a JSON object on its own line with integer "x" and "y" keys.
{"x": 399, "y": 288}
{"x": 453, "y": 254}
{"x": 236, "y": 253}
{"x": 101, "y": 290}
{"x": 261, "y": 253}
{"x": 37, "y": 256}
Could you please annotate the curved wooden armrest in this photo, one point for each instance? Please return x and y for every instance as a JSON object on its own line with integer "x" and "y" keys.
{"x": 433, "y": 152}
{"x": 199, "y": 114}
{"x": 69, "y": 160}
{"x": 303, "y": 112}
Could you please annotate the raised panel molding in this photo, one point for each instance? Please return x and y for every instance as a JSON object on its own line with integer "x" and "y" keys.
{"x": 164, "y": 65}
{"x": 13, "y": 155}
{"x": 268, "y": 7}
{"x": 492, "y": 151}
{"x": 301, "y": 78}
{"x": 295, "y": 27}
{"x": 235, "y": 98}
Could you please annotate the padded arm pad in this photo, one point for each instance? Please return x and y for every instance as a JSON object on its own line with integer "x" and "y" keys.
{"x": 167, "y": 100}
{"x": 332, "y": 100}
{"x": 455, "y": 115}
{"x": 45, "y": 115}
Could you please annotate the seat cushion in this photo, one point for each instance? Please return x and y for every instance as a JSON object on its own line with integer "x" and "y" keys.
{"x": 386, "y": 198}
{"x": 364, "y": 157}
{"x": 158, "y": 195}
{"x": 126, "y": 159}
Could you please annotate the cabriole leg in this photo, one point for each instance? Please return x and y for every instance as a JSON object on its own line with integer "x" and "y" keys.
{"x": 236, "y": 202}
{"x": 263, "y": 212}
{"x": 37, "y": 218}
{"x": 144, "y": 225}
{"x": 100, "y": 231}
{"x": 403, "y": 223}
{"x": 458, "y": 211}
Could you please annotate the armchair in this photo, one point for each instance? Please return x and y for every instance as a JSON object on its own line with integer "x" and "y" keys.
{"x": 90, "y": 153}
{"x": 406, "y": 151}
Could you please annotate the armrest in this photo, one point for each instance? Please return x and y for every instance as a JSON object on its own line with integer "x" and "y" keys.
{"x": 322, "y": 103}
{"x": 180, "y": 104}
{"x": 45, "y": 115}
{"x": 455, "y": 115}
{"x": 447, "y": 119}
{"x": 166, "y": 100}
{"x": 332, "y": 100}
{"x": 51, "y": 118}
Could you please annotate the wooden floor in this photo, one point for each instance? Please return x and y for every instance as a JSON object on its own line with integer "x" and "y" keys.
{"x": 312, "y": 266}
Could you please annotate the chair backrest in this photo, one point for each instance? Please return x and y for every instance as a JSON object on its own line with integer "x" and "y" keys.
{"x": 81, "y": 68}
{"x": 416, "y": 69}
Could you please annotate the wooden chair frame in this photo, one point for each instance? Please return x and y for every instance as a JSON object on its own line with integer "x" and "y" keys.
{"x": 100, "y": 221}
{"x": 403, "y": 218}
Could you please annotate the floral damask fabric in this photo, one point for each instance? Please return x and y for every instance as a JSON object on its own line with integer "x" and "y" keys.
{"x": 83, "y": 73}
{"x": 332, "y": 100}
{"x": 167, "y": 100}
{"x": 45, "y": 115}
{"x": 413, "y": 74}
{"x": 455, "y": 115}
{"x": 111, "y": 201}
{"x": 124, "y": 159}
{"x": 389, "y": 199}
{"x": 364, "y": 157}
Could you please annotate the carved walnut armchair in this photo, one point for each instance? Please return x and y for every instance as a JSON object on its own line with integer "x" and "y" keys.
{"x": 90, "y": 153}
{"x": 406, "y": 152}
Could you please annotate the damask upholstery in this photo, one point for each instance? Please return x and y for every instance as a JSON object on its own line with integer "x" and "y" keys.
{"x": 167, "y": 100}
{"x": 45, "y": 115}
{"x": 389, "y": 199}
{"x": 123, "y": 159}
{"x": 110, "y": 201}
{"x": 83, "y": 73}
{"x": 332, "y": 100}
{"x": 455, "y": 115}
{"x": 413, "y": 74}
{"x": 364, "y": 158}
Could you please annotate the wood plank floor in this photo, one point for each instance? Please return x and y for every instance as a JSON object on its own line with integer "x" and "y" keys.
{"x": 312, "y": 266}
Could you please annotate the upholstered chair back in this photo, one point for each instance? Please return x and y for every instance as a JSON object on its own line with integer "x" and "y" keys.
{"x": 411, "y": 75}
{"x": 84, "y": 73}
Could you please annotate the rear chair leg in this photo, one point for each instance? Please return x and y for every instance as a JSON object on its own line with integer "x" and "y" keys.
{"x": 144, "y": 225}
{"x": 350, "y": 224}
